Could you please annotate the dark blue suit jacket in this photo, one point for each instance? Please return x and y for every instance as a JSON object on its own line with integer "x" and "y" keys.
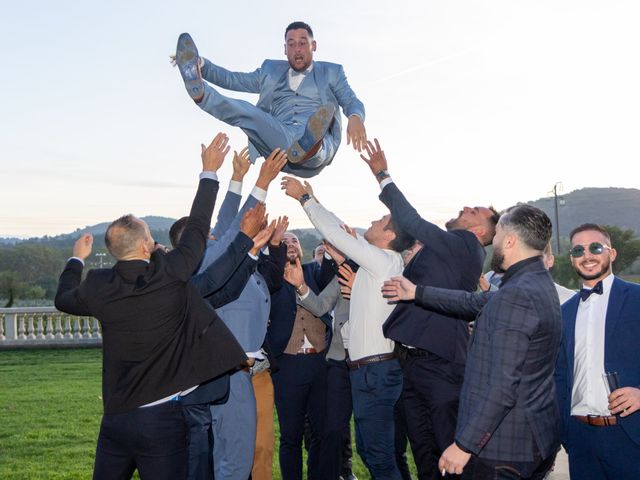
{"x": 284, "y": 309}
{"x": 450, "y": 260}
{"x": 621, "y": 350}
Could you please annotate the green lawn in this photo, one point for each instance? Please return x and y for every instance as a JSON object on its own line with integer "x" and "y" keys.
{"x": 50, "y": 409}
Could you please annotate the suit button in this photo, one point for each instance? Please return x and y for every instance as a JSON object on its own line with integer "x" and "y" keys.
{"x": 266, "y": 300}
{"x": 258, "y": 282}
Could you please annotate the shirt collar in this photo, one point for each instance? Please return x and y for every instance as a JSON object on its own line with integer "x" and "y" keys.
{"x": 516, "y": 267}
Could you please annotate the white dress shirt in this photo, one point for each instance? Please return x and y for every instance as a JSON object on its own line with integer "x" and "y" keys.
{"x": 589, "y": 393}
{"x": 368, "y": 309}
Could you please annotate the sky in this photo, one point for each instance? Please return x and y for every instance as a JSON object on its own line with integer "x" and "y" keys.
{"x": 474, "y": 102}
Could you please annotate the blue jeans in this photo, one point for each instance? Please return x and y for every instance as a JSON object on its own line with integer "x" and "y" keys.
{"x": 375, "y": 389}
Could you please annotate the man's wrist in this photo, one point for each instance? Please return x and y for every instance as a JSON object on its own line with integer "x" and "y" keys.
{"x": 304, "y": 198}
{"x": 382, "y": 175}
{"x": 210, "y": 174}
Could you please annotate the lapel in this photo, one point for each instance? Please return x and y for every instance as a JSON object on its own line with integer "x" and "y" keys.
{"x": 617, "y": 298}
{"x": 278, "y": 70}
{"x": 571, "y": 309}
{"x": 320, "y": 77}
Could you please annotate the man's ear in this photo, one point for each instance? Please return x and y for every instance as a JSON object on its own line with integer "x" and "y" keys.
{"x": 314, "y": 45}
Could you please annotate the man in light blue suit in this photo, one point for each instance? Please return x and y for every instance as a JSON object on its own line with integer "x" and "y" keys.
{"x": 601, "y": 334}
{"x": 234, "y": 422}
{"x": 298, "y": 105}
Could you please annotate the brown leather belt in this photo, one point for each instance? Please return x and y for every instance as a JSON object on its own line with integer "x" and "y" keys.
{"x": 305, "y": 351}
{"x": 361, "y": 362}
{"x": 597, "y": 420}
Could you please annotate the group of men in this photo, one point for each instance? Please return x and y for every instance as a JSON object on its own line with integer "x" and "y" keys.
{"x": 201, "y": 341}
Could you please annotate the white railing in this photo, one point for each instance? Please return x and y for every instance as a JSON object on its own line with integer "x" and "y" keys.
{"x": 46, "y": 327}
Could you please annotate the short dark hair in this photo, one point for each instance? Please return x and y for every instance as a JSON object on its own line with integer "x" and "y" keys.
{"x": 123, "y": 234}
{"x": 296, "y": 26}
{"x": 531, "y": 224}
{"x": 175, "y": 232}
{"x": 402, "y": 241}
{"x": 491, "y": 223}
{"x": 587, "y": 227}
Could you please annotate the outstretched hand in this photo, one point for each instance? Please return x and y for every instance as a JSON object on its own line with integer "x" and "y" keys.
{"x": 346, "y": 277}
{"x": 213, "y": 155}
{"x": 294, "y": 188}
{"x": 254, "y": 220}
{"x": 82, "y": 247}
{"x": 271, "y": 168}
{"x": 398, "y": 288}
{"x": 278, "y": 234}
{"x": 356, "y": 133}
{"x": 293, "y": 273}
{"x": 334, "y": 253}
{"x": 376, "y": 160}
{"x": 263, "y": 236}
{"x": 241, "y": 164}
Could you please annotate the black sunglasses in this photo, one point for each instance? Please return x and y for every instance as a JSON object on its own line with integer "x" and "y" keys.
{"x": 596, "y": 248}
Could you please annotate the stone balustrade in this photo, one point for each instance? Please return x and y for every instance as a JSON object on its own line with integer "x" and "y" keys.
{"x": 42, "y": 327}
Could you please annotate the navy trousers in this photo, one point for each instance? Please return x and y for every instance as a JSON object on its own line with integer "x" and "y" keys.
{"x": 430, "y": 395}
{"x": 338, "y": 417}
{"x": 601, "y": 453}
{"x": 375, "y": 389}
{"x": 152, "y": 439}
{"x": 300, "y": 387}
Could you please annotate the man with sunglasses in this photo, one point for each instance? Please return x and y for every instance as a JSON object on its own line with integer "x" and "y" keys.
{"x": 601, "y": 334}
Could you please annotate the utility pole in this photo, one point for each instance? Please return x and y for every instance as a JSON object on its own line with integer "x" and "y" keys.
{"x": 556, "y": 188}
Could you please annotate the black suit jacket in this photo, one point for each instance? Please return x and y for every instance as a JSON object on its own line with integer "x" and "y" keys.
{"x": 508, "y": 406}
{"x": 448, "y": 260}
{"x": 159, "y": 335}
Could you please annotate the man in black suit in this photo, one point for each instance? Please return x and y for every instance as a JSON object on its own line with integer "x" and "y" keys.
{"x": 160, "y": 338}
{"x": 432, "y": 347}
{"x": 508, "y": 421}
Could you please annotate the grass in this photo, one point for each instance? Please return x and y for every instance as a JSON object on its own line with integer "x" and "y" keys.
{"x": 50, "y": 410}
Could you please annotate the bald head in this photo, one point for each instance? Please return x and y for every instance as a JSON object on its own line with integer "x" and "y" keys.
{"x": 129, "y": 238}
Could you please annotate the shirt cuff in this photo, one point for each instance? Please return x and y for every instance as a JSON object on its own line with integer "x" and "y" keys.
{"x": 255, "y": 257}
{"x": 385, "y": 182}
{"x": 259, "y": 194}
{"x": 76, "y": 258}
{"x": 235, "y": 187}
{"x": 302, "y": 297}
{"x": 208, "y": 174}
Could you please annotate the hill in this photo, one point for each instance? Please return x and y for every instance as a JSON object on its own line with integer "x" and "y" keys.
{"x": 606, "y": 206}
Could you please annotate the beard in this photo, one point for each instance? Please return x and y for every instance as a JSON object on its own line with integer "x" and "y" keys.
{"x": 452, "y": 225}
{"x": 606, "y": 265}
{"x": 497, "y": 260}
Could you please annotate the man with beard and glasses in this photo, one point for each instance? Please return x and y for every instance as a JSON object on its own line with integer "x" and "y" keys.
{"x": 432, "y": 347}
{"x": 298, "y": 340}
{"x": 508, "y": 420}
{"x": 298, "y": 105}
{"x": 598, "y": 374}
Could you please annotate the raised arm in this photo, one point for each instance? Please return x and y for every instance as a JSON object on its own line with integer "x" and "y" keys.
{"x": 331, "y": 228}
{"x": 69, "y": 297}
{"x": 457, "y": 303}
{"x": 231, "y": 204}
{"x": 184, "y": 259}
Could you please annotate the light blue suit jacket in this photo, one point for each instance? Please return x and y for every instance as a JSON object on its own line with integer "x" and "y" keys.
{"x": 329, "y": 78}
{"x": 621, "y": 349}
{"x": 247, "y": 316}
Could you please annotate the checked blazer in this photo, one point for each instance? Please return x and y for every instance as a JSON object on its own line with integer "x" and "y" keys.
{"x": 508, "y": 408}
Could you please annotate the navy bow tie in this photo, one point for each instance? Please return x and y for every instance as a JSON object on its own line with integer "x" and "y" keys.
{"x": 585, "y": 292}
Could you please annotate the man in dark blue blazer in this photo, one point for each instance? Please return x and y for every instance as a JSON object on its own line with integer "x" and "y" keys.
{"x": 299, "y": 102}
{"x": 601, "y": 335}
{"x": 432, "y": 347}
{"x": 508, "y": 417}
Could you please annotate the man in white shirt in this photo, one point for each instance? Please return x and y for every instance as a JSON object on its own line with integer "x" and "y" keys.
{"x": 376, "y": 377}
{"x": 601, "y": 337}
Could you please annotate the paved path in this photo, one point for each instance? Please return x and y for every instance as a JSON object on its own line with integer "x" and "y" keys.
{"x": 561, "y": 469}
